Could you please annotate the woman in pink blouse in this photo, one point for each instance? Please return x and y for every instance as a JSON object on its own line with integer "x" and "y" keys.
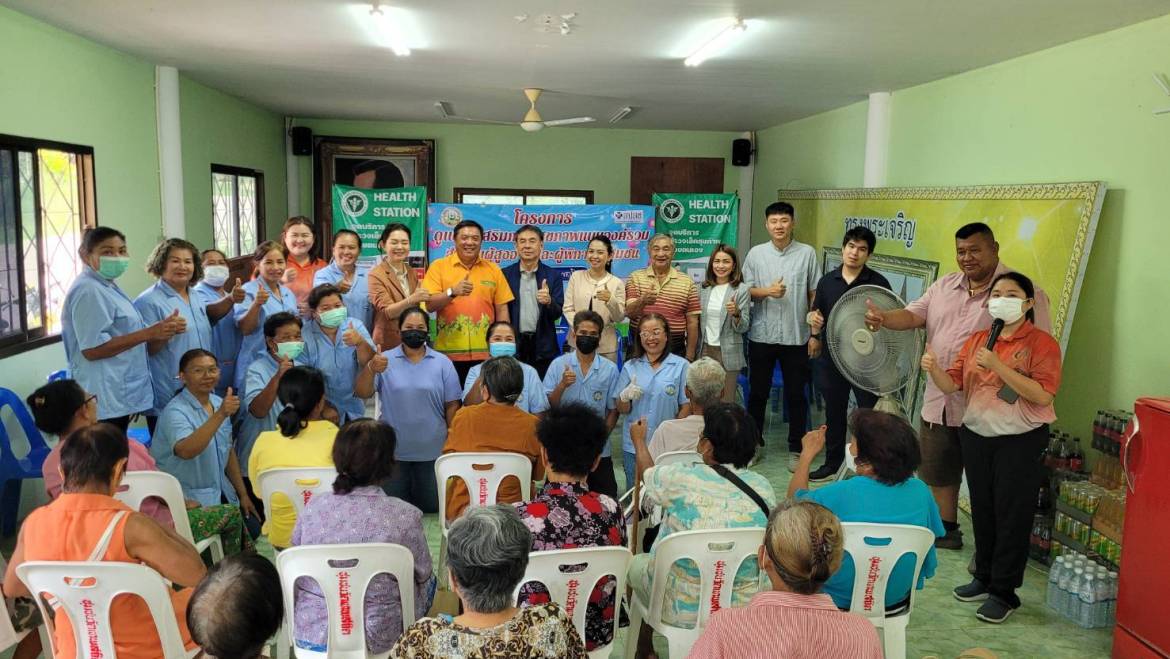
{"x": 363, "y": 454}
{"x": 61, "y": 408}
{"x": 803, "y": 546}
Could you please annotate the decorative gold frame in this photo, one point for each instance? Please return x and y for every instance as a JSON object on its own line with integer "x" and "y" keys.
{"x": 1090, "y": 192}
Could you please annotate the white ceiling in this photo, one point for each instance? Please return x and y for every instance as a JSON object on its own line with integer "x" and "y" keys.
{"x": 313, "y": 58}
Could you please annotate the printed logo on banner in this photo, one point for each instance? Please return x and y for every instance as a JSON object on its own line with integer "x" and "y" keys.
{"x": 354, "y": 203}
{"x": 672, "y": 210}
{"x": 629, "y": 217}
{"x": 450, "y": 216}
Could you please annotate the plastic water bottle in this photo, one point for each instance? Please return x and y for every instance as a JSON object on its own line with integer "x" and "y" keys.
{"x": 1054, "y": 583}
{"x": 1111, "y": 603}
{"x": 1071, "y": 591}
{"x": 1101, "y": 592}
{"x": 1086, "y": 593}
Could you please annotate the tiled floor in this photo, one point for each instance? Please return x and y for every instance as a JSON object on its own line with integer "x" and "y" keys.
{"x": 940, "y": 626}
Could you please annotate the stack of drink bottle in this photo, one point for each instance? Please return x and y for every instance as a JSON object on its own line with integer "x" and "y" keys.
{"x": 1082, "y": 591}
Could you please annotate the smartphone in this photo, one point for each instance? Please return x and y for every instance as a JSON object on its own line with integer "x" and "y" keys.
{"x": 1008, "y": 395}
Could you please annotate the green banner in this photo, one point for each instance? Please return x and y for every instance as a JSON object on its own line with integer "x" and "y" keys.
{"x": 698, "y": 223}
{"x": 367, "y": 212}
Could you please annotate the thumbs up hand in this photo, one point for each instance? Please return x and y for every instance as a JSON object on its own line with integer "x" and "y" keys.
{"x": 464, "y": 287}
{"x": 874, "y": 317}
{"x": 632, "y": 392}
{"x": 929, "y": 361}
{"x": 543, "y": 296}
{"x": 379, "y": 363}
{"x": 288, "y": 276}
{"x": 345, "y": 284}
{"x": 230, "y": 405}
{"x": 238, "y": 293}
{"x": 351, "y": 337}
{"x": 164, "y": 329}
{"x": 778, "y": 289}
{"x": 732, "y": 309}
{"x": 261, "y": 295}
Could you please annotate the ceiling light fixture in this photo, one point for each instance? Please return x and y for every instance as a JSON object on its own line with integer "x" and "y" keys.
{"x": 621, "y": 114}
{"x": 718, "y": 44}
{"x": 444, "y": 109}
{"x": 389, "y": 30}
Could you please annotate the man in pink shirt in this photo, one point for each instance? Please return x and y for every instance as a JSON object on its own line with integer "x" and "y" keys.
{"x": 952, "y": 309}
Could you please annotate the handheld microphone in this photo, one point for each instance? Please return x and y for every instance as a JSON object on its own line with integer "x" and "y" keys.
{"x": 996, "y": 328}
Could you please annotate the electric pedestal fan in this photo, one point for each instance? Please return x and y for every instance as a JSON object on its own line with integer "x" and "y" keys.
{"x": 882, "y": 362}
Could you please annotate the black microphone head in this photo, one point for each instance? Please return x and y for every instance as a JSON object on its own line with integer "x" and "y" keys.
{"x": 997, "y": 326}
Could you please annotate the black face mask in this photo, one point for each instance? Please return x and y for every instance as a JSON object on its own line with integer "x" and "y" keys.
{"x": 414, "y": 338}
{"x": 587, "y": 344}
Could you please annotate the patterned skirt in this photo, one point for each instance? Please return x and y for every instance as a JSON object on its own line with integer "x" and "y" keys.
{"x": 224, "y": 520}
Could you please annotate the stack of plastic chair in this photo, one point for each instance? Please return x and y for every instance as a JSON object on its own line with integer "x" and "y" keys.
{"x": 13, "y": 470}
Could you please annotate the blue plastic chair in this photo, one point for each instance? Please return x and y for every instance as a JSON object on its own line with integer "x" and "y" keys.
{"x": 13, "y": 469}
{"x": 61, "y": 374}
{"x": 140, "y": 435}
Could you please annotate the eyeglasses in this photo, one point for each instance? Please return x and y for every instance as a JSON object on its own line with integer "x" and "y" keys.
{"x": 200, "y": 372}
{"x": 652, "y": 334}
{"x": 92, "y": 399}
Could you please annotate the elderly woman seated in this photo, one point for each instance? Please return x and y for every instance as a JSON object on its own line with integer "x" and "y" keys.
{"x": 487, "y": 555}
{"x": 885, "y": 449}
{"x": 803, "y": 545}
{"x": 86, "y": 523}
{"x": 494, "y": 426}
{"x": 236, "y": 608}
{"x": 717, "y": 493}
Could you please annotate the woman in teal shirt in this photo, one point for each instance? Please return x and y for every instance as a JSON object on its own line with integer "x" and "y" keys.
{"x": 194, "y": 444}
{"x": 885, "y": 449}
{"x": 104, "y": 336}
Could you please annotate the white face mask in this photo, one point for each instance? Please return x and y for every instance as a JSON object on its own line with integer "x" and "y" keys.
{"x": 215, "y": 275}
{"x": 1007, "y": 309}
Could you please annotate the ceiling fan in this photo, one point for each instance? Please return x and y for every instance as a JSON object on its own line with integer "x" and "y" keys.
{"x": 531, "y": 122}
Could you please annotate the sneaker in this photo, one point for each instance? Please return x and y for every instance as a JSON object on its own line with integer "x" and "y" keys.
{"x": 952, "y": 540}
{"x": 975, "y": 591}
{"x": 994, "y": 610}
{"x": 824, "y": 473}
{"x": 793, "y": 460}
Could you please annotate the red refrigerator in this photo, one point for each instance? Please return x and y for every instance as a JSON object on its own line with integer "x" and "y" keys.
{"x": 1143, "y": 623}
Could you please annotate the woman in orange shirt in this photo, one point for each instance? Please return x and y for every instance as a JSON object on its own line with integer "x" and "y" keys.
{"x": 72, "y": 529}
{"x": 1009, "y": 389}
{"x": 299, "y": 237}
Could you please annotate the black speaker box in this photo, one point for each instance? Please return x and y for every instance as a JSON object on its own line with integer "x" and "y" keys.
{"x": 302, "y": 140}
{"x": 741, "y": 152}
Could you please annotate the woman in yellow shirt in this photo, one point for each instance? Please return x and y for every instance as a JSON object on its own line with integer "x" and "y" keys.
{"x": 303, "y": 439}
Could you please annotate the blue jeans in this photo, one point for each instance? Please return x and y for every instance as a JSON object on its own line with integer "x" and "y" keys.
{"x": 414, "y": 483}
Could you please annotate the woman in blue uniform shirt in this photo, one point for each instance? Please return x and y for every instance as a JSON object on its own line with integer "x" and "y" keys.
{"x": 104, "y": 336}
{"x": 501, "y": 340}
{"x": 175, "y": 263}
{"x": 263, "y": 296}
{"x": 349, "y": 276}
{"x": 650, "y": 387}
{"x": 338, "y": 346}
{"x": 225, "y": 334}
{"x": 194, "y": 444}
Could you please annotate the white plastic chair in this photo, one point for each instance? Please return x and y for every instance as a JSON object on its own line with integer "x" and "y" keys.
{"x": 141, "y": 485}
{"x": 849, "y": 464}
{"x": 872, "y": 566}
{"x": 675, "y": 457}
{"x": 717, "y": 553}
{"x": 85, "y": 591}
{"x": 571, "y": 590}
{"x": 345, "y": 588}
{"x": 298, "y": 484}
{"x": 482, "y": 473}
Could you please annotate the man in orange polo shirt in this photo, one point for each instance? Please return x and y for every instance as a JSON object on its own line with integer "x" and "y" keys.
{"x": 468, "y": 294}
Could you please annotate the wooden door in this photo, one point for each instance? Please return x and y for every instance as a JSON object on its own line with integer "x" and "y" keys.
{"x": 649, "y": 175}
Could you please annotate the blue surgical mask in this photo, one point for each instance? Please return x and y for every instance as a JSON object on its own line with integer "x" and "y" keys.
{"x": 502, "y": 349}
{"x": 333, "y": 317}
{"x": 112, "y": 267}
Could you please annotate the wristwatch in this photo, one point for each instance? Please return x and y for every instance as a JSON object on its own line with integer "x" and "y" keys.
{"x": 450, "y": 292}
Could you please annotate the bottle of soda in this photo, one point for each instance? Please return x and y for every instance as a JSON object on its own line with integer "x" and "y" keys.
{"x": 1076, "y": 458}
{"x": 1045, "y": 539}
{"x": 1049, "y": 451}
{"x": 1061, "y": 459}
{"x": 1098, "y": 432}
{"x": 1034, "y": 539}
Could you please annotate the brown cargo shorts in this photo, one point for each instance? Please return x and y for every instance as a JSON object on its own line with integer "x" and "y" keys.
{"x": 942, "y": 455}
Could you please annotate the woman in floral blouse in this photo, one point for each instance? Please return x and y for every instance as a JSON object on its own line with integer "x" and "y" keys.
{"x": 566, "y": 515}
{"x": 363, "y": 454}
{"x": 487, "y": 553}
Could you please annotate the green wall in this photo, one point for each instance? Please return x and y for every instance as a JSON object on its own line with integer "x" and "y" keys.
{"x": 224, "y": 130}
{"x": 1081, "y": 111}
{"x": 555, "y": 158}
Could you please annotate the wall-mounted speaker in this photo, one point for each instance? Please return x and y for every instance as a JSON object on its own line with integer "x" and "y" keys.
{"x": 741, "y": 152}
{"x": 302, "y": 140}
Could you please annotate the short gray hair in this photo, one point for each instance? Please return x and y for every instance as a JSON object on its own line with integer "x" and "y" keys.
{"x": 705, "y": 379}
{"x": 487, "y": 552}
{"x": 504, "y": 378}
{"x": 658, "y": 237}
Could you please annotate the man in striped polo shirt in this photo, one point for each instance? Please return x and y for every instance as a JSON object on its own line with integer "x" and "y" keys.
{"x": 662, "y": 289}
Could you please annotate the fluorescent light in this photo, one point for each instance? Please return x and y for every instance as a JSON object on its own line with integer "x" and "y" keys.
{"x": 444, "y": 109}
{"x": 716, "y": 45}
{"x": 388, "y": 27}
{"x": 620, "y": 114}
